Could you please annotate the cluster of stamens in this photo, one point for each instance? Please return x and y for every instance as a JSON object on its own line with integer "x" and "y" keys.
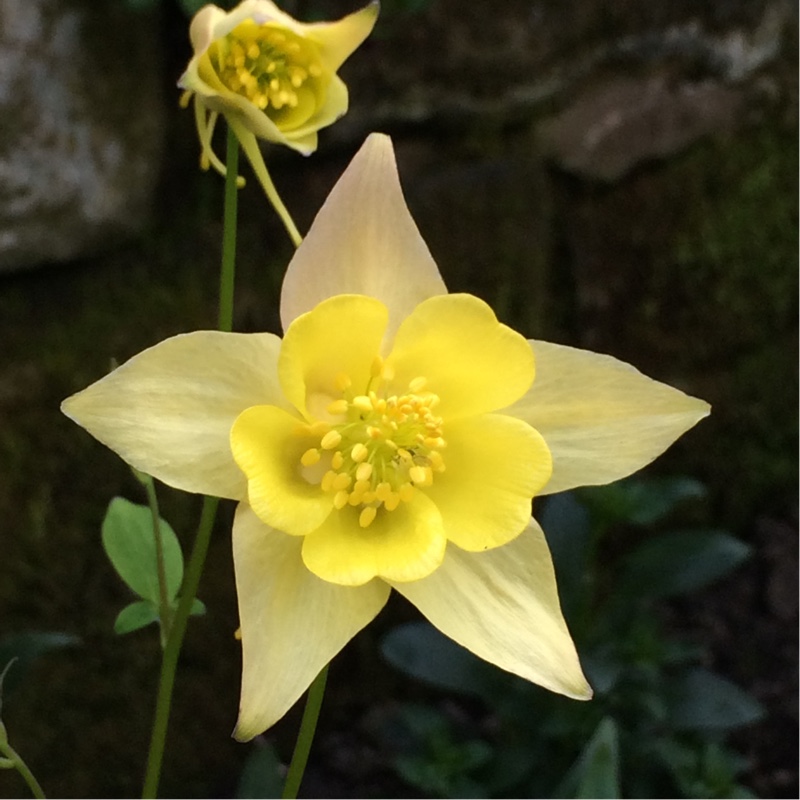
{"x": 383, "y": 450}
{"x": 266, "y": 64}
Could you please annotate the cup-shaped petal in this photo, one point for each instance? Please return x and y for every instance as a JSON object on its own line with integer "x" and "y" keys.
{"x": 473, "y": 362}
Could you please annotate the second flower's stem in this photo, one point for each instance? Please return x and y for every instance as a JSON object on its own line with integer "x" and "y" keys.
{"x": 228, "y": 270}
{"x": 305, "y": 737}
{"x": 194, "y": 569}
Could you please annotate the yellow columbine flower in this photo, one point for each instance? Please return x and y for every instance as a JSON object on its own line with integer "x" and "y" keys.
{"x": 393, "y": 439}
{"x": 271, "y": 76}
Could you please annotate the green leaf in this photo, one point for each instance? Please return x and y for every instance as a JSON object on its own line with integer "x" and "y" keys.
{"x": 641, "y": 501}
{"x": 566, "y": 525}
{"x": 262, "y": 775}
{"x": 675, "y": 563}
{"x": 419, "y": 650}
{"x": 129, "y": 542}
{"x": 26, "y": 647}
{"x": 137, "y": 615}
{"x": 596, "y": 772}
{"x": 198, "y": 608}
{"x": 699, "y": 700}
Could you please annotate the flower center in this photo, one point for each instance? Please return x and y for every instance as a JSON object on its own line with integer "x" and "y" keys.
{"x": 266, "y": 64}
{"x": 384, "y": 449}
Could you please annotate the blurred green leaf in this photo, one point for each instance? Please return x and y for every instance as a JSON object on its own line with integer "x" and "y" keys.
{"x": 566, "y": 526}
{"x": 263, "y": 773}
{"x": 129, "y": 542}
{"x": 698, "y": 700}
{"x": 137, "y": 615}
{"x": 596, "y": 772}
{"x": 675, "y": 563}
{"x": 198, "y": 608}
{"x": 191, "y": 7}
{"x": 26, "y": 647}
{"x": 421, "y": 651}
{"x": 640, "y": 501}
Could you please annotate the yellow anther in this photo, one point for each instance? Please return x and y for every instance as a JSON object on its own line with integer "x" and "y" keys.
{"x": 338, "y": 407}
{"x": 418, "y": 384}
{"x": 237, "y": 634}
{"x": 330, "y": 440}
{"x": 404, "y": 454}
{"x": 362, "y": 403}
{"x": 406, "y": 492}
{"x": 392, "y": 501}
{"x": 327, "y": 480}
{"x": 359, "y": 452}
{"x": 437, "y": 462}
{"x": 434, "y": 442}
{"x": 373, "y": 432}
{"x": 337, "y": 462}
{"x": 364, "y": 471}
{"x": 317, "y": 428}
{"x": 310, "y": 457}
{"x": 376, "y": 367}
{"x": 361, "y": 485}
{"x": 254, "y": 51}
{"x": 343, "y": 381}
{"x": 367, "y": 516}
{"x": 420, "y": 476}
{"x": 368, "y": 497}
{"x": 383, "y": 491}
{"x": 342, "y": 481}
{"x": 340, "y": 499}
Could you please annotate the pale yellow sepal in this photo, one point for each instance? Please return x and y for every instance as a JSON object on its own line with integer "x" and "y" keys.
{"x": 503, "y": 606}
{"x": 363, "y": 241}
{"x": 169, "y": 410}
{"x": 601, "y": 418}
{"x": 292, "y": 622}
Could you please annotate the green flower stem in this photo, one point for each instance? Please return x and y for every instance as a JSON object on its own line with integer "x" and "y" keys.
{"x": 17, "y": 763}
{"x": 169, "y": 662}
{"x": 194, "y": 570}
{"x": 228, "y": 270}
{"x": 305, "y": 737}
{"x": 165, "y": 609}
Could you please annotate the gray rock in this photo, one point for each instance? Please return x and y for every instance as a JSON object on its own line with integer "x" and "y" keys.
{"x": 623, "y": 122}
{"x": 81, "y": 127}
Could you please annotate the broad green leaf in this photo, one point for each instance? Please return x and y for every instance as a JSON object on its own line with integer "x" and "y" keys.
{"x": 596, "y": 772}
{"x": 262, "y": 775}
{"x": 565, "y": 522}
{"x": 701, "y": 701}
{"x": 129, "y": 542}
{"x": 198, "y": 608}
{"x": 25, "y": 647}
{"x": 137, "y": 615}
{"x": 421, "y": 651}
{"x": 674, "y": 563}
{"x": 641, "y": 501}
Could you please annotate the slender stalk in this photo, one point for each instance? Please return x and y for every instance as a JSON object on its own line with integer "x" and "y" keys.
{"x": 169, "y": 661}
{"x": 194, "y": 570}
{"x": 305, "y": 737}
{"x": 165, "y": 609}
{"x": 20, "y": 766}
{"x": 228, "y": 271}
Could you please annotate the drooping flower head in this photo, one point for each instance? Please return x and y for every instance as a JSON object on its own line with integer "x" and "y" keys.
{"x": 394, "y": 438}
{"x": 272, "y": 77}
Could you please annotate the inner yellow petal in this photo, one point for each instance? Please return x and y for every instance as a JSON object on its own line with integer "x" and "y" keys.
{"x": 269, "y": 445}
{"x": 405, "y": 544}
{"x": 495, "y": 465}
{"x": 339, "y": 337}
{"x": 473, "y": 362}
